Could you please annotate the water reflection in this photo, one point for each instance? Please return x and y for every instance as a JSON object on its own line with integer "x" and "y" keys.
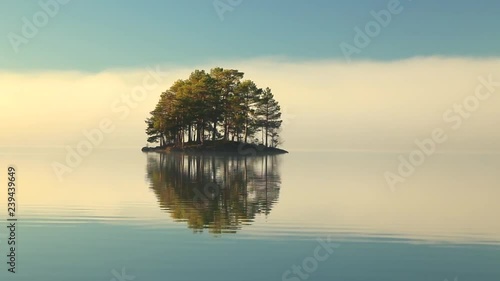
{"x": 218, "y": 193}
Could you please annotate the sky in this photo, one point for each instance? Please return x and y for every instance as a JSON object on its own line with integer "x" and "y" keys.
{"x": 65, "y": 66}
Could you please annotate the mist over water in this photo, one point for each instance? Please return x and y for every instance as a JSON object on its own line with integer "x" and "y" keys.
{"x": 326, "y": 105}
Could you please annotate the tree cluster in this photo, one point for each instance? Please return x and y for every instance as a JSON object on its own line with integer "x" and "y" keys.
{"x": 214, "y": 106}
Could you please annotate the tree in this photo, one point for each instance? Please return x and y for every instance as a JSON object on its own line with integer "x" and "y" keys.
{"x": 247, "y": 95}
{"x": 226, "y": 81}
{"x": 198, "y": 107}
{"x": 268, "y": 115}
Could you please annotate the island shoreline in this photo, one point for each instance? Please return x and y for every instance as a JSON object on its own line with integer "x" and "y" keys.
{"x": 218, "y": 147}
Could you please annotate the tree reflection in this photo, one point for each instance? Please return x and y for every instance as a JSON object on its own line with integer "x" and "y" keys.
{"x": 218, "y": 193}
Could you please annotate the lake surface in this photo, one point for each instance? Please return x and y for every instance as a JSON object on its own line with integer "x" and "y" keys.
{"x": 127, "y": 215}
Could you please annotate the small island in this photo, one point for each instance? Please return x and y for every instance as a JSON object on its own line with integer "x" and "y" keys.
{"x": 215, "y": 112}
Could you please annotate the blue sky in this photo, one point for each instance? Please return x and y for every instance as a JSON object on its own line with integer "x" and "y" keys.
{"x": 96, "y": 35}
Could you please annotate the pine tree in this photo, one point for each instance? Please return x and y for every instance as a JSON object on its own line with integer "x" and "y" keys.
{"x": 268, "y": 115}
{"x": 199, "y": 106}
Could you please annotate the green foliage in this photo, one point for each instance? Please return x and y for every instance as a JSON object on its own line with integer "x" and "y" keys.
{"x": 216, "y": 105}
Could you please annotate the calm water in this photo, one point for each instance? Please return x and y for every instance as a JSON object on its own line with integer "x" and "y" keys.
{"x": 178, "y": 217}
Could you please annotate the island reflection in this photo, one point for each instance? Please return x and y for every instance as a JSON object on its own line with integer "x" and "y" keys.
{"x": 218, "y": 193}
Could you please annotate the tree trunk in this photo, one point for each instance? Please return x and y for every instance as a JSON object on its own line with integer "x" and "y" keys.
{"x": 190, "y": 139}
{"x": 199, "y": 132}
{"x": 266, "y": 135}
{"x": 182, "y": 137}
{"x": 226, "y": 131}
{"x": 214, "y": 130}
{"x": 202, "y": 131}
{"x": 246, "y": 130}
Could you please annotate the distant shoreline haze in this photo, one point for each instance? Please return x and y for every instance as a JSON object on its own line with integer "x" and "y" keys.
{"x": 325, "y": 105}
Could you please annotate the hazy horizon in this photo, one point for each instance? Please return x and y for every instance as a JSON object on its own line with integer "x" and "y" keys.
{"x": 326, "y": 105}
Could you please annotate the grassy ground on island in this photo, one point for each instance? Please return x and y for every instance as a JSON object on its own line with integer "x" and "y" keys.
{"x": 225, "y": 147}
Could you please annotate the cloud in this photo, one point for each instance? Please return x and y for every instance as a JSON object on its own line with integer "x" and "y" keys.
{"x": 367, "y": 105}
